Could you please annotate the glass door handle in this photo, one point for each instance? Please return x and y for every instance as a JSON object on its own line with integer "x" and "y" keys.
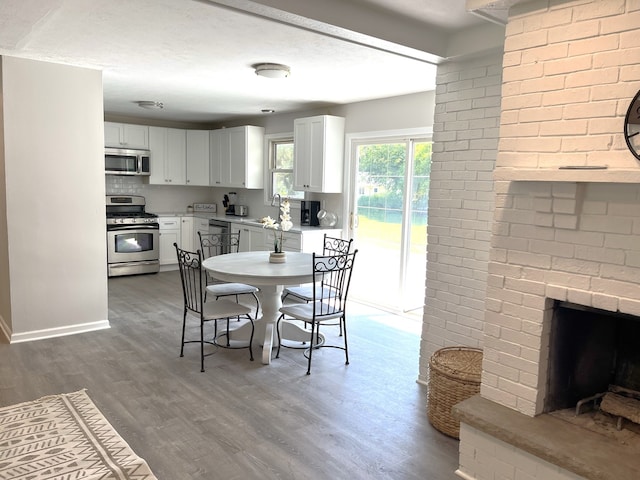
{"x": 353, "y": 221}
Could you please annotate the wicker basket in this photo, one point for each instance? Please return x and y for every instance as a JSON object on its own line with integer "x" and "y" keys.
{"x": 454, "y": 375}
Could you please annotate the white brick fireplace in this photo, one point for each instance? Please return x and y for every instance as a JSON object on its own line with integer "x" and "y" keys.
{"x": 566, "y": 227}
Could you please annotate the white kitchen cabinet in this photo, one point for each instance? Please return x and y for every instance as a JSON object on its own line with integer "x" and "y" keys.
{"x": 200, "y": 224}
{"x": 292, "y": 241}
{"x": 170, "y": 233}
{"x": 215, "y": 158}
{"x": 251, "y": 238}
{"x": 318, "y": 144}
{"x": 198, "y": 157}
{"x": 168, "y": 148}
{"x": 186, "y": 234}
{"x": 124, "y": 135}
{"x": 236, "y": 157}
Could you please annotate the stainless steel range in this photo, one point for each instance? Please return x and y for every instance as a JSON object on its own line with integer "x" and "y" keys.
{"x": 132, "y": 236}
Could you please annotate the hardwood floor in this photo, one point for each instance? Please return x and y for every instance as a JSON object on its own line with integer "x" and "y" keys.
{"x": 242, "y": 419}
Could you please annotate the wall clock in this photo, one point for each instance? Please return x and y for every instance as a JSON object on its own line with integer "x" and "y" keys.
{"x": 632, "y": 126}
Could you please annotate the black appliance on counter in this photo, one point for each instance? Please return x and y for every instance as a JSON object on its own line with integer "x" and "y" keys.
{"x": 309, "y": 213}
{"x": 229, "y": 203}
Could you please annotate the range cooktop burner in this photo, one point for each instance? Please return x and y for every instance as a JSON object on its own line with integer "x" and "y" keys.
{"x": 132, "y": 219}
{"x": 128, "y": 210}
{"x": 132, "y": 215}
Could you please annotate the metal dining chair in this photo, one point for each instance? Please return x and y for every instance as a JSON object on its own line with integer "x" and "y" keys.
{"x": 332, "y": 276}
{"x": 330, "y": 246}
{"x": 193, "y": 287}
{"x": 213, "y": 244}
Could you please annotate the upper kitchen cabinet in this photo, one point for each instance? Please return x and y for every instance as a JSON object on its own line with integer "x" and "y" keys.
{"x": 318, "y": 146}
{"x": 168, "y": 156}
{"x": 236, "y": 157}
{"x": 124, "y": 135}
{"x": 198, "y": 157}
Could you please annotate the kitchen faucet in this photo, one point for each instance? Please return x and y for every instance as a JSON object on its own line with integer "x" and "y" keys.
{"x": 273, "y": 201}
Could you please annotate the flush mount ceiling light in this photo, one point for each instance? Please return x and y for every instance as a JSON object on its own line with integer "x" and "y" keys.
{"x": 272, "y": 70}
{"x": 150, "y": 105}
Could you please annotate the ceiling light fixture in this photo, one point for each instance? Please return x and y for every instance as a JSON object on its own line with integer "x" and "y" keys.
{"x": 268, "y": 110}
{"x": 272, "y": 70}
{"x": 150, "y": 105}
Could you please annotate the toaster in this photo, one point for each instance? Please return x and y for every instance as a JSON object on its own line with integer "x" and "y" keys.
{"x": 241, "y": 211}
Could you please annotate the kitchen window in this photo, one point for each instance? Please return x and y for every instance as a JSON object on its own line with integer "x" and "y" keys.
{"x": 281, "y": 168}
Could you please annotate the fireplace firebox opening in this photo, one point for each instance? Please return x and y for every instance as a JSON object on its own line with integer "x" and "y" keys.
{"x": 589, "y": 351}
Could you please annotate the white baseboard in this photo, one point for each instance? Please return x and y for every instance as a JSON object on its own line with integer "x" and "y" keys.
{"x": 58, "y": 332}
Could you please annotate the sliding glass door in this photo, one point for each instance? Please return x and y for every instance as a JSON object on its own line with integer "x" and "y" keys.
{"x": 388, "y": 220}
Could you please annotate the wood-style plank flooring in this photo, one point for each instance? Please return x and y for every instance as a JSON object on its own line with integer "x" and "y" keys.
{"x": 242, "y": 419}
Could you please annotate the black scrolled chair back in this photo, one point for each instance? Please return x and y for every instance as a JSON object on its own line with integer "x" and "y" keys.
{"x": 213, "y": 244}
{"x": 333, "y": 274}
{"x": 335, "y": 246}
{"x": 190, "y": 264}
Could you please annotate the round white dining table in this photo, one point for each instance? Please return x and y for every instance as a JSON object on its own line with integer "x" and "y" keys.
{"x": 255, "y": 269}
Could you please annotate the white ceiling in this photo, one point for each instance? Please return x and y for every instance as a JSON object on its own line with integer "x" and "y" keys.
{"x": 196, "y": 56}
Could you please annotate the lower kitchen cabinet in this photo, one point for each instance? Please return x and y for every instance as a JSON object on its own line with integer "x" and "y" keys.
{"x": 251, "y": 238}
{"x": 200, "y": 224}
{"x": 183, "y": 230}
{"x": 187, "y": 242}
{"x": 170, "y": 233}
{"x": 292, "y": 241}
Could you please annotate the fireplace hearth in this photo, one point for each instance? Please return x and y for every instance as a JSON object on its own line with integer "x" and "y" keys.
{"x": 587, "y": 445}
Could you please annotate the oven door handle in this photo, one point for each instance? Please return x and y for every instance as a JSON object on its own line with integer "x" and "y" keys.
{"x": 142, "y": 226}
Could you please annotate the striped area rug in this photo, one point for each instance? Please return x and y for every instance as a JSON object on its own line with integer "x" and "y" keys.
{"x": 64, "y": 437}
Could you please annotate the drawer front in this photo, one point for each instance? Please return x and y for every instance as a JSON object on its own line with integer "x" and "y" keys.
{"x": 169, "y": 223}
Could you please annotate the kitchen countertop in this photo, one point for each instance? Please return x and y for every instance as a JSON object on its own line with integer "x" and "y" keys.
{"x": 250, "y": 221}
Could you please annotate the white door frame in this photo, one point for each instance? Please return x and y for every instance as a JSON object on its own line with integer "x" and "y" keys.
{"x": 349, "y": 220}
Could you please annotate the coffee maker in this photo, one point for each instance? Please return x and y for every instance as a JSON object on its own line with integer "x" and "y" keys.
{"x": 229, "y": 203}
{"x": 309, "y": 212}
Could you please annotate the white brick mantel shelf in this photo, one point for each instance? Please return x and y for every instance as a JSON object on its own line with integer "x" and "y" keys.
{"x": 608, "y": 175}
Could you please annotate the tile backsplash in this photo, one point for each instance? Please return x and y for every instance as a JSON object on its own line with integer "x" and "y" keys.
{"x": 159, "y": 198}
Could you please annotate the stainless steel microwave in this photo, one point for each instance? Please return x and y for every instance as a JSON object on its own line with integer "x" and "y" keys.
{"x": 120, "y": 161}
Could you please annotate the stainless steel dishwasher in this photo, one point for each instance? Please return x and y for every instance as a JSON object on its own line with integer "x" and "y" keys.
{"x": 219, "y": 226}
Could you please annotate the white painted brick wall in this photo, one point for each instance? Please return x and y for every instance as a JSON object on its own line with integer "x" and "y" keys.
{"x": 570, "y": 71}
{"x": 460, "y": 204}
{"x": 484, "y": 457}
{"x": 592, "y": 264}
{"x": 564, "y": 102}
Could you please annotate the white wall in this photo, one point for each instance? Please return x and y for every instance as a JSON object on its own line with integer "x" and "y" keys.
{"x": 5, "y": 300}
{"x": 54, "y": 180}
{"x": 395, "y": 113}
